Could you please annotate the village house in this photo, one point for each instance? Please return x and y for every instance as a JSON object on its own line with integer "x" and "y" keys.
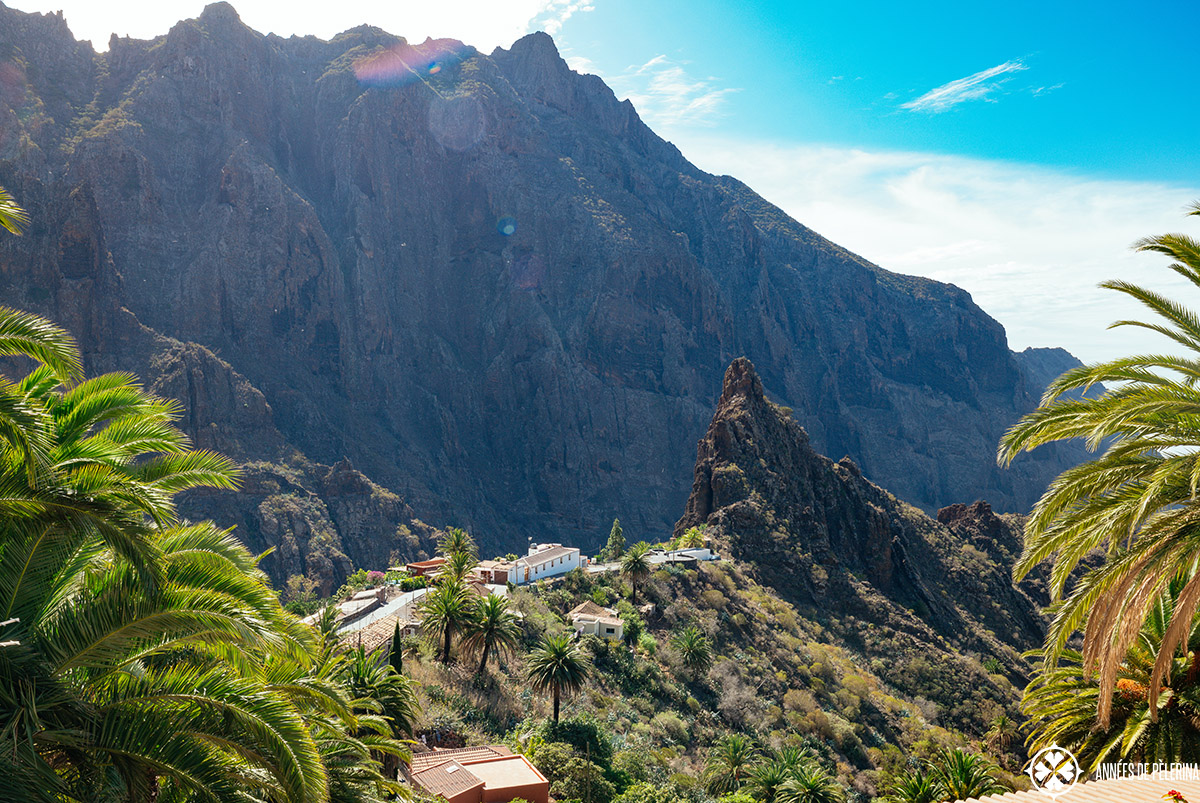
{"x": 421, "y": 568}
{"x": 488, "y": 774}
{"x": 546, "y": 560}
{"x": 589, "y": 619}
{"x": 496, "y": 572}
{"x": 688, "y": 555}
{"x": 542, "y": 562}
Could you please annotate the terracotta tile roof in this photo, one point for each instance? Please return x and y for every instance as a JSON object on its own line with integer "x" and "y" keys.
{"x": 1117, "y": 790}
{"x": 423, "y": 761}
{"x": 588, "y": 608}
{"x": 446, "y": 779}
{"x": 372, "y": 636}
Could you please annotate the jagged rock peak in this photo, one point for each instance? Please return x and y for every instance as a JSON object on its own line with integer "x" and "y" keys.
{"x": 220, "y": 12}
{"x": 537, "y": 46}
{"x": 741, "y": 381}
{"x": 980, "y": 511}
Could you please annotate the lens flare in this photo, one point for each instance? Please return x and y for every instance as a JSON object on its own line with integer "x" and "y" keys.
{"x": 403, "y": 63}
{"x": 507, "y": 226}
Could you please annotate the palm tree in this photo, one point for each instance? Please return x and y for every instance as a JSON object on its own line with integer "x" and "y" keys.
{"x": 692, "y": 538}
{"x": 635, "y": 566}
{"x": 447, "y": 610}
{"x": 809, "y": 783}
{"x": 457, "y": 566}
{"x": 914, "y": 786}
{"x": 728, "y": 763}
{"x": 559, "y": 667}
{"x": 765, "y": 778}
{"x": 1137, "y": 500}
{"x": 26, "y": 335}
{"x": 455, "y": 541}
{"x": 371, "y": 677}
{"x": 493, "y": 630}
{"x": 12, "y": 217}
{"x": 354, "y": 706}
{"x": 959, "y": 775}
{"x": 149, "y": 651}
{"x": 1001, "y": 735}
{"x": 694, "y": 649}
{"x": 1062, "y": 703}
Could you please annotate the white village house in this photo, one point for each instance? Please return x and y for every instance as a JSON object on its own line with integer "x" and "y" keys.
{"x": 590, "y": 619}
{"x": 543, "y": 561}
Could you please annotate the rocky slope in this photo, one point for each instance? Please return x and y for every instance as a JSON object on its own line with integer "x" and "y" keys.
{"x": 480, "y": 278}
{"x": 875, "y": 571}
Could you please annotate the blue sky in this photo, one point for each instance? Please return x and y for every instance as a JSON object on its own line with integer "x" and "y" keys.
{"x": 1016, "y": 150}
{"x": 1102, "y": 88}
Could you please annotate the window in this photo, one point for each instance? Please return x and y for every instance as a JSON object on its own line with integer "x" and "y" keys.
{"x": 609, "y": 631}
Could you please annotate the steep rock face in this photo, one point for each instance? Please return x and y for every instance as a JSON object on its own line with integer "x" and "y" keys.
{"x": 481, "y": 278}
{"x": 875, "y": 570}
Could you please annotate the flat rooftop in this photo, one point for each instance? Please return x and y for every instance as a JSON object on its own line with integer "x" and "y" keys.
{"x": 505, "y": 772}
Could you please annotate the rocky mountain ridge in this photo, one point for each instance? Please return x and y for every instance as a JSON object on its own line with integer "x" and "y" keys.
{"x": 479, "y": 278}
{"x": 872, "y": 569}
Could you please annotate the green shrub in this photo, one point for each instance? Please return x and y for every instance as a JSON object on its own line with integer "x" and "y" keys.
{"x": 671, "y": 726}
{"x": 583, "y": 734}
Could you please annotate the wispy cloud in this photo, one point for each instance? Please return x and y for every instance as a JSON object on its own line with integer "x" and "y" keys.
{"x": 1029, "y": 243}
{"x": 1038, "y": 91}
{"x": 667, "y": 95}
{"x": 556, "y": 12}
{"x": 974, "y": 87}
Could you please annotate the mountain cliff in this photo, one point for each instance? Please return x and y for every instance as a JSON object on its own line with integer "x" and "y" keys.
{"x": 873, "y": 570}
{"x": 478, "y": 279}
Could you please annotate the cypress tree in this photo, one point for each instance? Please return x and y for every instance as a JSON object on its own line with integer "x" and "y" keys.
{"x": 396, "y": 659}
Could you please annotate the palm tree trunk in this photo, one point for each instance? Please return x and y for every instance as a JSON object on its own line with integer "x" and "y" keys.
{"x": 633, "y": 585}
{"x": 556, "y": 704}
{"x": 446, "y": 648}
{"x": 483, "y": 659}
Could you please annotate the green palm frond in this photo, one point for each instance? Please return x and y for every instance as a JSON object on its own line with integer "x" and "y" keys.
{"x": 26, "y": 335}
{"x": 493, "y": 630}
{"x": 12, "y": 217}
{"x": 1138, "y": 502}
{"x": 557, "y": 666}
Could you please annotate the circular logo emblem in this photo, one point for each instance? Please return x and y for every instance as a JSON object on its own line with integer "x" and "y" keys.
{"x": 1053, "y": 770}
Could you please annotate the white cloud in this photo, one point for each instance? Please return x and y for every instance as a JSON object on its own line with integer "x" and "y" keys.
{"x": 557, "y": 12}
{"x": 973, "y": 87}
{"x": 485, "y": 24}
{"x": 666, "y": 95}
{"x": 1030, "y": 244}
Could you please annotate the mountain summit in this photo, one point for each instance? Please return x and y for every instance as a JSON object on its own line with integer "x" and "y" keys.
{"x": 480, "y": 278}
{"x": 873, "y": 570}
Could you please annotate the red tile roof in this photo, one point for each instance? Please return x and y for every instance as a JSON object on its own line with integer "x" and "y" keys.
{"x": 446, "y": 779}
{"x": 423, "y": 761}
